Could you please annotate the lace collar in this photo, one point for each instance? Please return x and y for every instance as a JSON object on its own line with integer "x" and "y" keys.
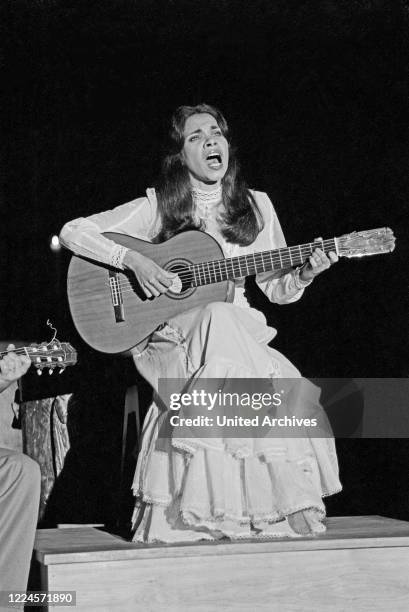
{"x": 206, "y": 201}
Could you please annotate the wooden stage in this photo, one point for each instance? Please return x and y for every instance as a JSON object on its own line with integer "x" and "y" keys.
{"x": 360, "y": 563}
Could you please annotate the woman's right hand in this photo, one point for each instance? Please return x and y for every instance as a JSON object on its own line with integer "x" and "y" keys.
{"x": 153, "y": 279}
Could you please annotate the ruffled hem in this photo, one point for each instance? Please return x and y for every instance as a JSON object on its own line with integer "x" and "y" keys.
{"x": 153, "y": 525}
{"x": 214, "y": 496}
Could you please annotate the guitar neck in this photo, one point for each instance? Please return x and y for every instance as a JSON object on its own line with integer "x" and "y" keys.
{"x": 52, "y": 354}
{"x": 19, "y": 351}
{"x": 218, "y": 270}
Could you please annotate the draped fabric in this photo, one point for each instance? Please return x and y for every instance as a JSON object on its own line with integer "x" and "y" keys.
{"x": 45, "y": 439}
{"x": 195, "y": 488}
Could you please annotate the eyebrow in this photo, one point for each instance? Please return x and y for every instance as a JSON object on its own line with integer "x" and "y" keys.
{"x": 212, "y": 127}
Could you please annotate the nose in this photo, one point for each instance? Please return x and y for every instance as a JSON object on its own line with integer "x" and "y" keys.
{"x": 210, "y": 141}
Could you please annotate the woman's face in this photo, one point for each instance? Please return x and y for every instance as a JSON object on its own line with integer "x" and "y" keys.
{"x": 205, "y": 151}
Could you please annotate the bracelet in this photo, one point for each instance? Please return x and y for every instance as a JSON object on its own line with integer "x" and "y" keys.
{"x": 298, "y": 282}
{"x": 117, "y": 256}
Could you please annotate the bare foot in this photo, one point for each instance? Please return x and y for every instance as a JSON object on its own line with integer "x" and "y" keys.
{"x": 305, "y": 522}
{"x": 298, "y": 523}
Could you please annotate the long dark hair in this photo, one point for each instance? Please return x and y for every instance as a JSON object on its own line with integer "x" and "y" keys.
{"x": 241, "y": 220}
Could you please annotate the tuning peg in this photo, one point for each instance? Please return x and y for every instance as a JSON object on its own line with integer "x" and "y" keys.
{"x": 50, "y": 371}
{"x": 61, "y": 370}
{"x": 39, "y": 372}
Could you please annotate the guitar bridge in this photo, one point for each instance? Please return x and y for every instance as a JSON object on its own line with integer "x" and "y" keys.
{"x": 116, "y": 296}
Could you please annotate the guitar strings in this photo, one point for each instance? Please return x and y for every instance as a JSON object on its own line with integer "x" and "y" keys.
{"x": 18, "y": 351}
{"x": 210, "y": 273}
{"x": 35, "y": 350}
{"x": 279, "y": 256}
{"x": 236, "y": 265}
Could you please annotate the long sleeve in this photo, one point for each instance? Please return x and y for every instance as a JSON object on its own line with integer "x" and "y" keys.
{"x": 283, "y": 286}
{"x": 84, "y": 236}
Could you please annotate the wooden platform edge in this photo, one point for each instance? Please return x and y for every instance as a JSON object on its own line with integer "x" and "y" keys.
{"x": 369, "y": 532}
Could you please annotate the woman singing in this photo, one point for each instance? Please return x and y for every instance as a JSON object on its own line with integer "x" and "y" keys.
{"x": 208, "y": 487}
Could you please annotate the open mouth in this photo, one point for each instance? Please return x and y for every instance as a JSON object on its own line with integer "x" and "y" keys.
{"x": 214, "y": 160}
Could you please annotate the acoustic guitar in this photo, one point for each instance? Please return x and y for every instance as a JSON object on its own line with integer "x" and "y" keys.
{"x": 51, "y": 356}
{"x": 113, "y": 315}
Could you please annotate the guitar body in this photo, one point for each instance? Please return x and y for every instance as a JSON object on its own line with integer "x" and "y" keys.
{"x": 109, "y": 309}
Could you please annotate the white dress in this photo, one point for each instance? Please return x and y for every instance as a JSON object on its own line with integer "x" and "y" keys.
{"x": 191, "y": 487}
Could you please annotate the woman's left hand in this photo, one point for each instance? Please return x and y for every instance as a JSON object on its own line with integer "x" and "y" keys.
{"x": 317, "y": 263}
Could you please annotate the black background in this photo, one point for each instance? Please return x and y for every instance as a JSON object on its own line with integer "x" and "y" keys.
{"x": 316, "y": 94}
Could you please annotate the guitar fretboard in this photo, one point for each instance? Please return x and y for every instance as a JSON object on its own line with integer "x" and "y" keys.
{"x": 59, "y": 352}
{"x": 208, "y": 272}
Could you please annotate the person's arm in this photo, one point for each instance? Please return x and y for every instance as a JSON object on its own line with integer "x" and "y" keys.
{"x": 287, "y": 286}
{"x": 84, "y": 237}
{"x": 12, "y": 367}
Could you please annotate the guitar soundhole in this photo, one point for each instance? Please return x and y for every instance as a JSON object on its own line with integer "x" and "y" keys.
{"x": 182, "y": 287}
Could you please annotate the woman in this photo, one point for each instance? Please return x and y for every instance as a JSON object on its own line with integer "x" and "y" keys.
{"x": 206, "y": 488}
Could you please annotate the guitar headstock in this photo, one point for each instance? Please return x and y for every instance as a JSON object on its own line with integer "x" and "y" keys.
{"x": 368, "y": 242}
{"x": 54, "y": 355}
